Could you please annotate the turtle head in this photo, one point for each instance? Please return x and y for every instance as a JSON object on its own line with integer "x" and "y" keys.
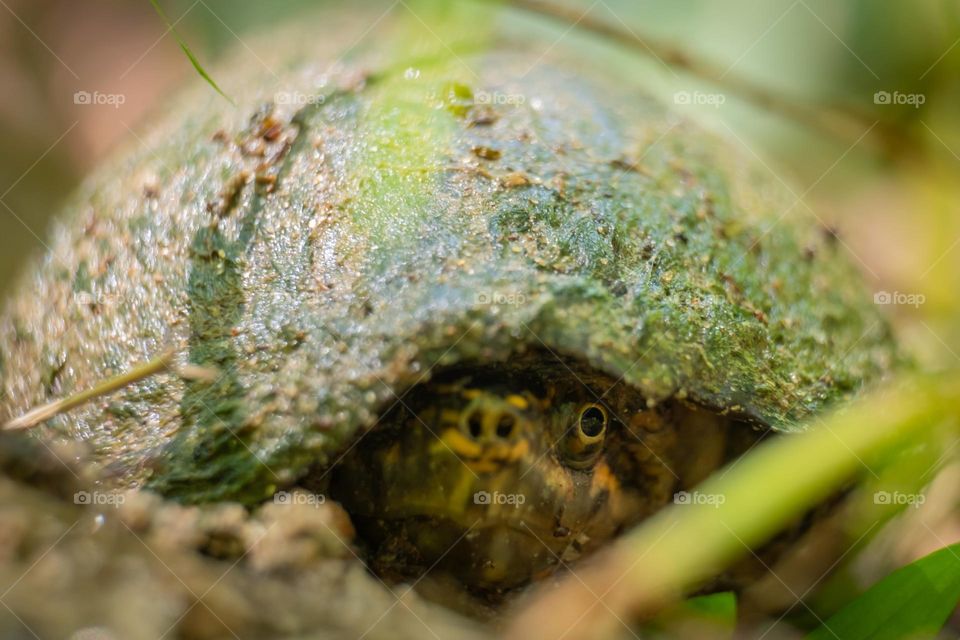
{"x": 491, "y": 429}
{"x": 496, "y": 480}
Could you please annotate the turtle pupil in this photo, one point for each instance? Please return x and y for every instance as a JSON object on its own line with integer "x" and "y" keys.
{"x": 592, "y": 422}
{"x": 474, "y": 424}
{"x": 505, "y": 427}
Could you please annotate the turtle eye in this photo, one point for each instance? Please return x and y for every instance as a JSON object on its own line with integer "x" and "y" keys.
{"x": 591, "y": 423}
{"x": 583, "y": 442}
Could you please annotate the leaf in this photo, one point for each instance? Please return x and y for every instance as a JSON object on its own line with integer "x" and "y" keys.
{"x": 912, "y": 602}
{"x": 712, "y": 616}
{"x": 720, "y": 608}
{"x": 186, "y": 49}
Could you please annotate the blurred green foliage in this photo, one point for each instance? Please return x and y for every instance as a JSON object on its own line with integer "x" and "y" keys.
{"x": 912, "y": 602}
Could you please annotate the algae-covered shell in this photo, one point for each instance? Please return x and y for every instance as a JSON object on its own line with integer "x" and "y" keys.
{"x": 369, "y": 212}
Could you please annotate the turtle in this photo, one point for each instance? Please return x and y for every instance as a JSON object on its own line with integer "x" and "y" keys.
{"x": 500, "y": 474}
{"x": 481, "y": 288}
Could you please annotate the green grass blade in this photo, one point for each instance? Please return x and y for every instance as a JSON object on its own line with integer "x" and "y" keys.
{"x": 186, "y": 49}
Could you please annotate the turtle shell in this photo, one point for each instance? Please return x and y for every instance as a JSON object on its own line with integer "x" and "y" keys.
{"x": 368, "y": 214}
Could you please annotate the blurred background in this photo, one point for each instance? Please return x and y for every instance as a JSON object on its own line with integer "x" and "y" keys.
{"x": 855, "y": 108}
{"x": 81, "y": 78}
{"x": 853, "y": 105}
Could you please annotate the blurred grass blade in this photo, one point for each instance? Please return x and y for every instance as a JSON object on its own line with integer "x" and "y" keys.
{"x": 912, "y": 602}
{"x": 162, "y": 363}
{"x": 835, "y": 121}
{"x": 186, "y": 49}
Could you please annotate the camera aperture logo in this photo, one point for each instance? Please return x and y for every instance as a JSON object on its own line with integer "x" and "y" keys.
{"x": 899, "y": 498}
{"x": 898, "y": 98}
{"x": 299, "y": 497}
{"x": 98, "y": 498}
{"x": 899, "y": 298}
{"x": 96, "y": 98}
{"x": 696, "y": 497}
{"x": 487, "y": 498}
